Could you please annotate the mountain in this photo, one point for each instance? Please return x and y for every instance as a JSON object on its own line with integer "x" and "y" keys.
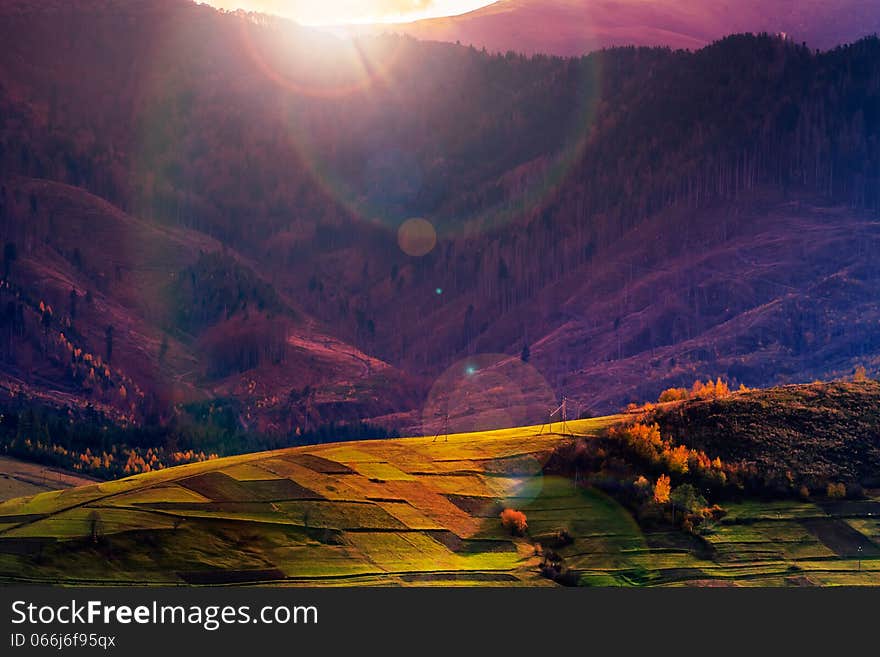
{"x": 577, "y": 27}
{"x": 232, "y": 189}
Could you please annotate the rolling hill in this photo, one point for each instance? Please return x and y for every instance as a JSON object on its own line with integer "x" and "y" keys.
{"x": 423, "y": 511}
{"x": 397, "y": 511}
{"x": 812, "y": 433}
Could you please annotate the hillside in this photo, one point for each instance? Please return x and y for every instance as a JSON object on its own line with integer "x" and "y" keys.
{"x": 810, "y": 433}
{"x": 576, "y": 27}
{"x": 168, "y": 314}
{"x": 762, "y": 290}
{"x": 396, "y": 511}
{"x": 423, "y": 511}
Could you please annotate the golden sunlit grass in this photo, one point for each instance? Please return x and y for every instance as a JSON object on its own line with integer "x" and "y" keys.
{"x": 415, "y": 511}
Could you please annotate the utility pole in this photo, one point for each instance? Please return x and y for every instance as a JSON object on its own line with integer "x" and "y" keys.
{"x": 562, "y": 412}
{"x": 444, "y": 428}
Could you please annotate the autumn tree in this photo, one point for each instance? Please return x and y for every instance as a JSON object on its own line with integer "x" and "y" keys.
{"x": 514, "y": 521}
{"x": 662, "y": 489}
{"x": 677, "y": 459}
{"x": 673, "y": 394}
{"x": 710, "y": 390}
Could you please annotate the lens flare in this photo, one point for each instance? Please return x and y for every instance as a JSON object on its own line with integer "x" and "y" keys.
{"x": 526, "y": 480}
{"x": 392, "y": 177}
{"x": 378, "y": 181}
{"x": 311, "y": 64}
{"x": 487, "y": 391}
{"x": 417, "y": 237}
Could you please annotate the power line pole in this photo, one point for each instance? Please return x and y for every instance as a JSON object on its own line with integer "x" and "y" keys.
{"x": 562, "y": 412}
{"x": 444, "y": 429}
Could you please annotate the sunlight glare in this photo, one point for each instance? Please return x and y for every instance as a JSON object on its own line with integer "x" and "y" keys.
{"x": 338, "y": 12}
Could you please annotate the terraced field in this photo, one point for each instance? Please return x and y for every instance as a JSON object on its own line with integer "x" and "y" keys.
{"x": 410, "y": 512}
{"x": 757, "y": 544}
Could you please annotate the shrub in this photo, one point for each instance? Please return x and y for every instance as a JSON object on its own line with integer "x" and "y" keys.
{"x": 714, "y": 512}
{"x": 855, "y": 491}
{"x": 514, "y": 521}
{"x": 804, "y": 492}
{"x": 860, "y": 375}
{"x": 687, "y": 498}
{"x": 836, "y": 490}
{"x": 562, "y": 538}
{"x": 553, "y": 568}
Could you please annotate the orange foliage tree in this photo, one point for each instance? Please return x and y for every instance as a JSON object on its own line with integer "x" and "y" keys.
{"x": 662, "y": 489}
{"x": 514, "y": 521}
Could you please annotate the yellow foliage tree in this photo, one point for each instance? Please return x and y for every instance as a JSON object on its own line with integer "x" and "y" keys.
{"x": 662, "y": 489}
{"x": 677, "y": 459}
{"x": 673, "y": 394}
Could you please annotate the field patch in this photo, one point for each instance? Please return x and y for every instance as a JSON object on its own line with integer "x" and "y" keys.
{"x": 220, "y": 487}
{"x": 382, "y": 472}
{"x": 842, "y": 538}
{"x": 320, "y": 464}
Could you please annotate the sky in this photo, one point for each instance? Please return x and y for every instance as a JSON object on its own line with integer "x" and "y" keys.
{"x": 330, "y": 12}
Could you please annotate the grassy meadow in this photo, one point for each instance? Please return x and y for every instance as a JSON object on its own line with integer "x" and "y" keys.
{"x": 415, "y": 511}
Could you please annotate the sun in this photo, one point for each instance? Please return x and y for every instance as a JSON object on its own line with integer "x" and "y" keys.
{"x": 337, "y": 12}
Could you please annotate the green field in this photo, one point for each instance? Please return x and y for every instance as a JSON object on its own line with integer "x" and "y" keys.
{"x": 409, "y": 512}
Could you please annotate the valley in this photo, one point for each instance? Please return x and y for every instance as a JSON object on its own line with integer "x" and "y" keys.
{"x": 294, "y": 306}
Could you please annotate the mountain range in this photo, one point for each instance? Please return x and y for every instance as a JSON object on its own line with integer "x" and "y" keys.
{"x": 577, "y": 27}
{"x": 200, "y": 206}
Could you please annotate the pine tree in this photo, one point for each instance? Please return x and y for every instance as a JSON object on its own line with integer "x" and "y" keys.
{"x": 108, "y": 336}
